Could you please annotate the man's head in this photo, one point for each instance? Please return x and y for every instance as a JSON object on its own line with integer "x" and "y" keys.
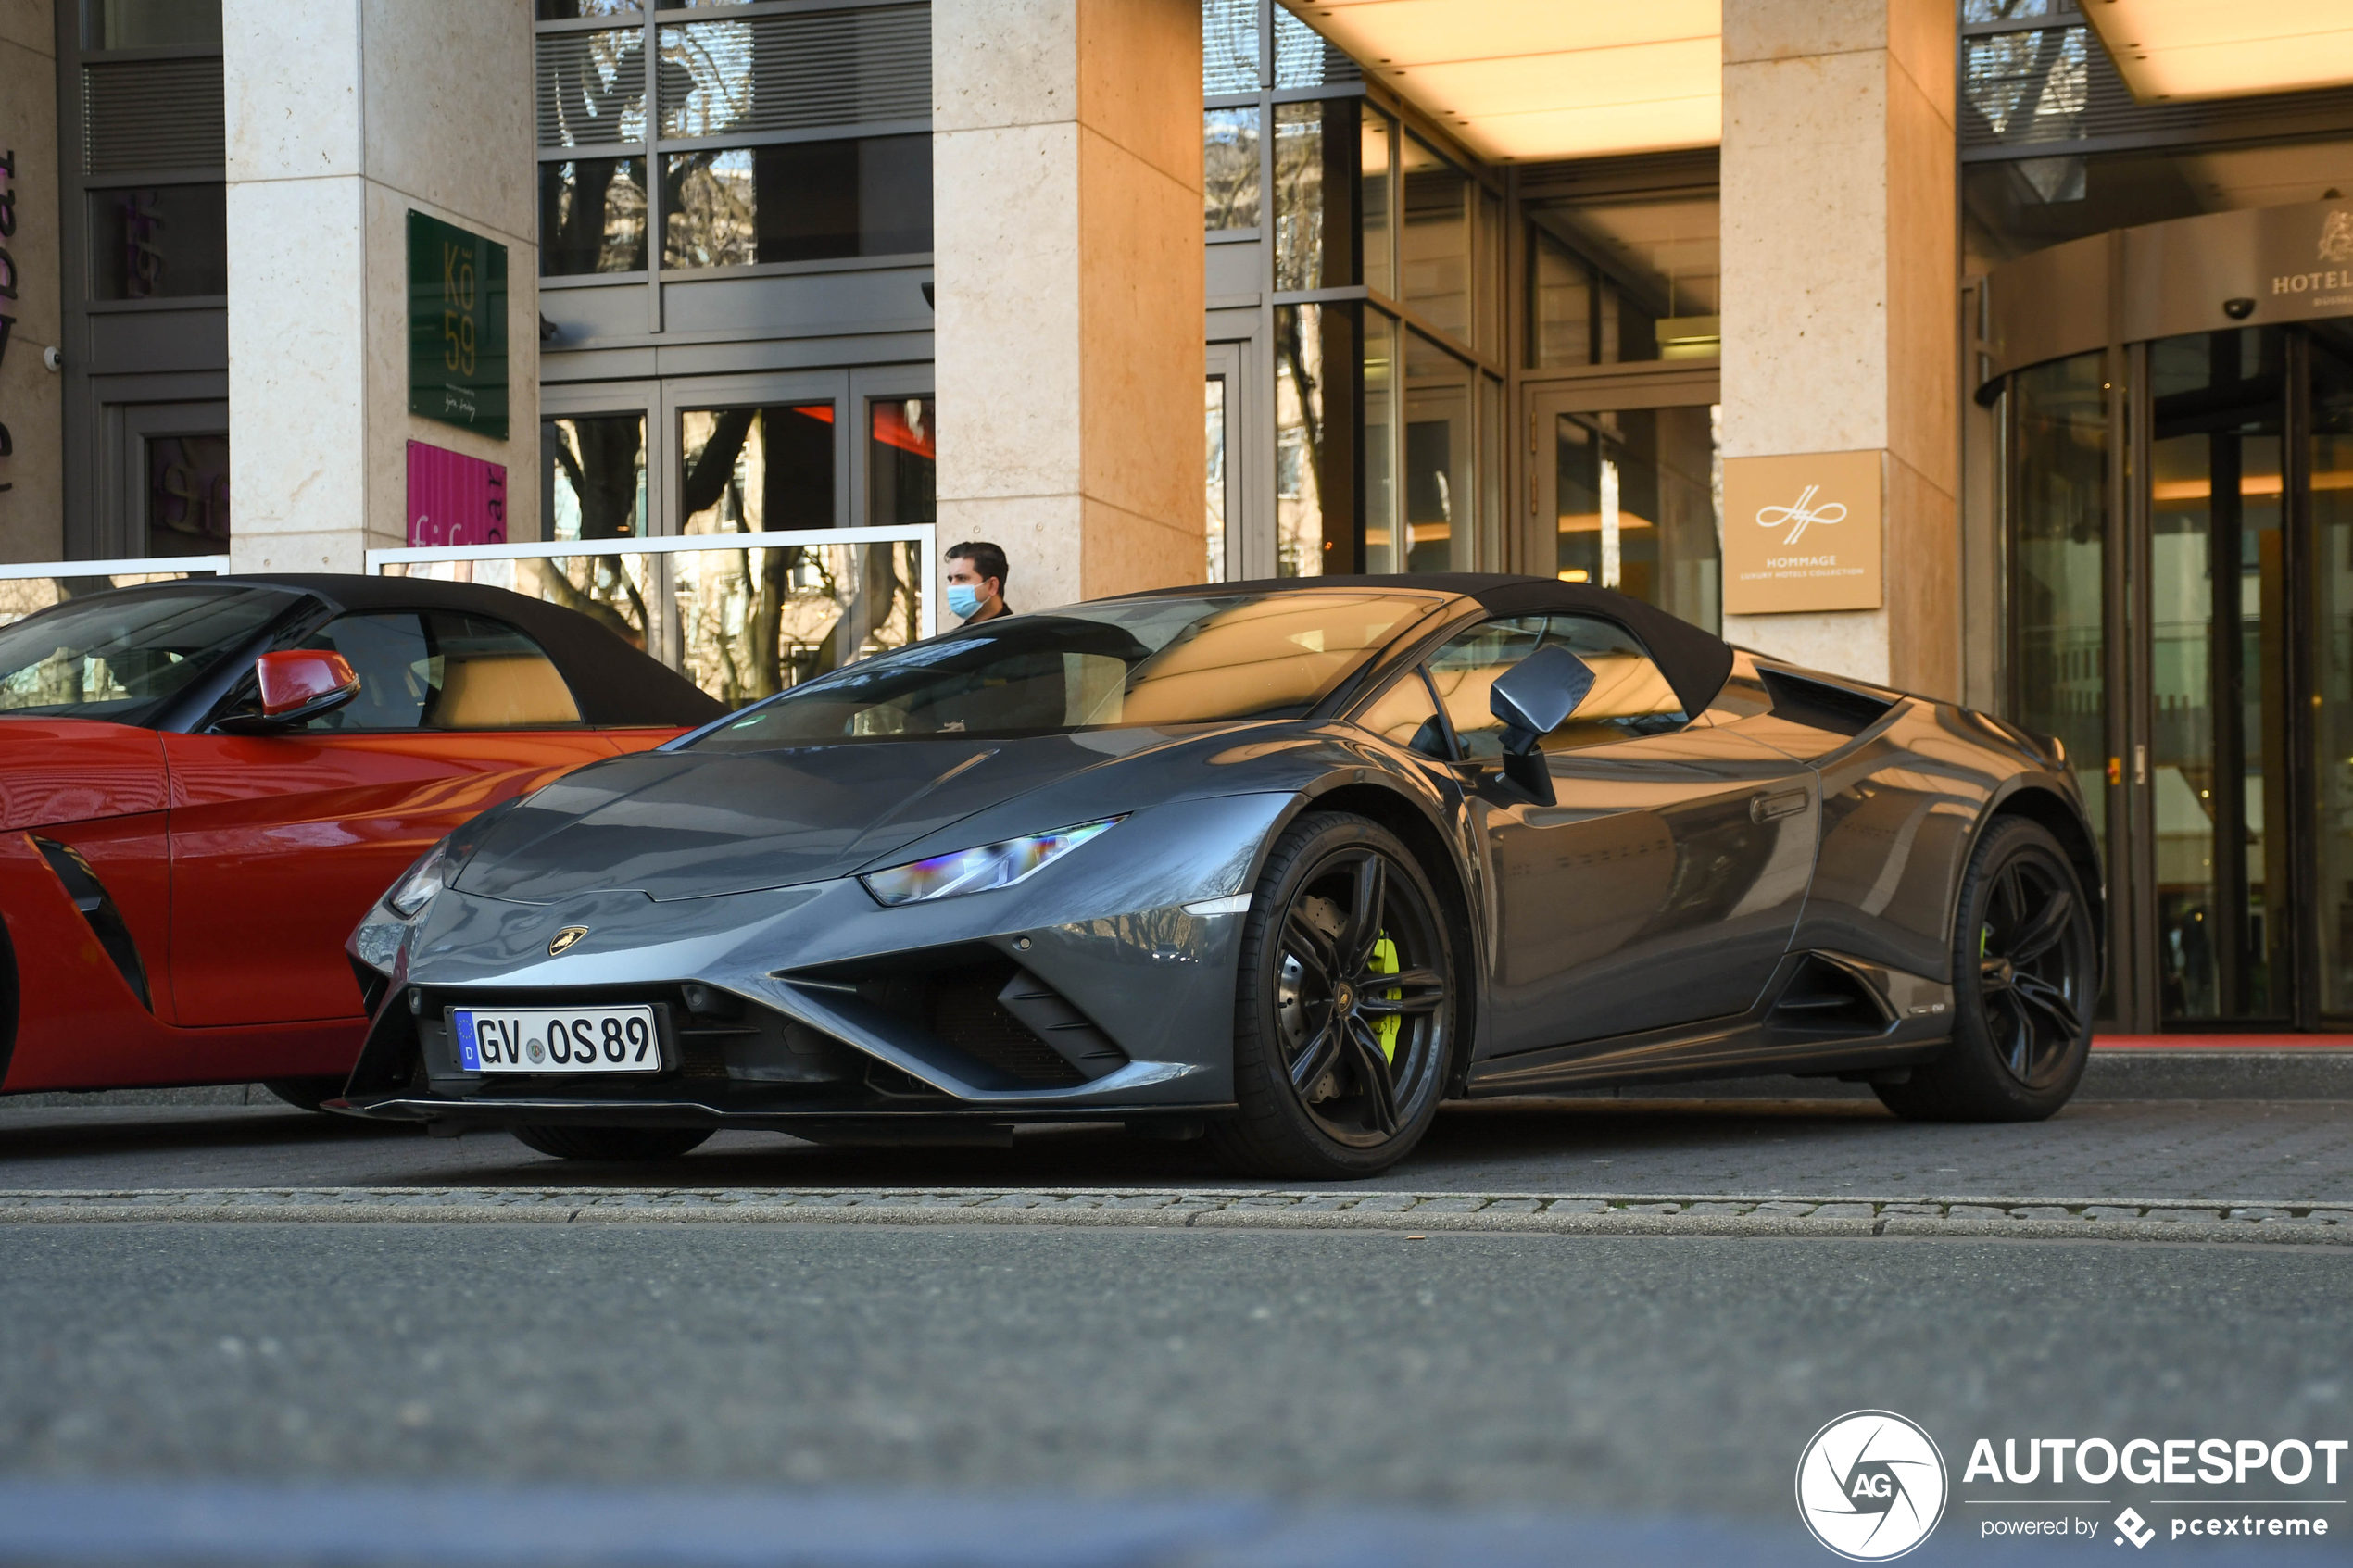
{"x": 979, "y": 569}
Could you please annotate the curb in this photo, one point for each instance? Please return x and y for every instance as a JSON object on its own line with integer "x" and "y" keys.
{"x": 1539, "y": 1214}
{"x": 2185, "y": 1073}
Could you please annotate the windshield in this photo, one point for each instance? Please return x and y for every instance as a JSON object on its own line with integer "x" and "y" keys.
{"x": 1123, "y": 662}
{"x": 123, "y": 657}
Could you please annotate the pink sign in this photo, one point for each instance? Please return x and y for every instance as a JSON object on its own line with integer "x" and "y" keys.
{"x": 453, "y": 499}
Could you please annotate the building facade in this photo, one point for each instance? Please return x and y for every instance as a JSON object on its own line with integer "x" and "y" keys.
{"x": 1964, "y": 350}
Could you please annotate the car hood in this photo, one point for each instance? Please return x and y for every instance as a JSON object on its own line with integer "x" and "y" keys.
{"x": 698, "y": 824}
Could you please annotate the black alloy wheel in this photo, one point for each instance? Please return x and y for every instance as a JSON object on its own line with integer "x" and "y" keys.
{"x": 2029, "y": 978}
{"x": 1345, "y": 1010}
{"x": 2026, "y": 977}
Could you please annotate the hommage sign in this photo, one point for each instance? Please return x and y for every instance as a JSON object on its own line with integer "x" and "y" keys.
{"x": 1802, "y": 532}
{"x": 457, "y": 327}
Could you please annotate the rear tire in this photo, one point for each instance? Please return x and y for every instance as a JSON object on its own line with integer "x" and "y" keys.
{"x": 304, "y": 1094}
{"x": 1343, "y": 1006}
{"x": 611, "y": 1143}
{"x": 2025, "y": 980}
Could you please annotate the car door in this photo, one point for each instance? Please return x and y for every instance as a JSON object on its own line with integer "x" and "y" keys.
{"x": 281, "y": 841}
{"x": 1663, "y": 883}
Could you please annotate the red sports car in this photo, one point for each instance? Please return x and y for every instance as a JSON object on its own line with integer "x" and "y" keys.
{"x": 205, "y": 783}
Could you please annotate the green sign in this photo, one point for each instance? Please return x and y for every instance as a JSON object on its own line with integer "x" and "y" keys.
{"x": 457, "y": 327}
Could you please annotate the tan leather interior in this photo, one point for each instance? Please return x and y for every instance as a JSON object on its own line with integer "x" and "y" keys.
{"x": 507, "y": 691}
{"x": 1260, "y": 655}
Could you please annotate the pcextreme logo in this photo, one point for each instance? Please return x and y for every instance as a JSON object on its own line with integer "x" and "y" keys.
{"x": 1871, "y": 1486}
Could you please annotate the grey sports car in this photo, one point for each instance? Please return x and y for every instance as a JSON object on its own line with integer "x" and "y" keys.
{"x": 1284, "y": 864}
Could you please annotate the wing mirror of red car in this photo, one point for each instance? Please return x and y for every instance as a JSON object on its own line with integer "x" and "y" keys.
{"x": 297, "y": 685}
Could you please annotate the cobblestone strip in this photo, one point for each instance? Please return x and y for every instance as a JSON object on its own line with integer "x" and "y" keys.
{"x": 1599, "y": 1214}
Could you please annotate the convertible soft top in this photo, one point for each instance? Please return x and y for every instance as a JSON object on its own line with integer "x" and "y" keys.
{"x": 615, "y": 685}
{"x": 1694, "y": 662}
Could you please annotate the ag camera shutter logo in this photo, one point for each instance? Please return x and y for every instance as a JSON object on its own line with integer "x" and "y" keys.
{"x": 1871, "y": 1486}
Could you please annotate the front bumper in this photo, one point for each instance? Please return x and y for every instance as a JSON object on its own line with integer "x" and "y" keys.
{"x": 1101, "y": 988}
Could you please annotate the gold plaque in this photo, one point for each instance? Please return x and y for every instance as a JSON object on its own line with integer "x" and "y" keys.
{"x": 1802, "y": 532}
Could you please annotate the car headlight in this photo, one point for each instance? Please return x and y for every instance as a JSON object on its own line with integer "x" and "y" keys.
{"x": 412, "y": 893}
{"x": 979, "y": 870}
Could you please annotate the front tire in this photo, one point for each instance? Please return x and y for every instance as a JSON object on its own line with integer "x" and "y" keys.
{"x": 1343, "y": 1011}
{"x": 611, "y": 1143}
{"x": 2025, "y": 980}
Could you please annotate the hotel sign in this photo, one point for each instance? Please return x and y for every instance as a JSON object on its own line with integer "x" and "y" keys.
{"x": 457, "y": 327}
{"x": 1802, "y": 532}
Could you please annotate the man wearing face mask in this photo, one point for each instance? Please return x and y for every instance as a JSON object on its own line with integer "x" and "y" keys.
{"x": 976, "y": 583}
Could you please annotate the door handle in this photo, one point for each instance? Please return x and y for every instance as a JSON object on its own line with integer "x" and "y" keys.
{"x": 1777, "y": 803}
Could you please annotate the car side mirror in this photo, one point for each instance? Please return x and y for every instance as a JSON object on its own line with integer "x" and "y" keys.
{"x": 1534, "y": 698}
{"x": 1536, "y": 695}
{"x": 297, "y": 685}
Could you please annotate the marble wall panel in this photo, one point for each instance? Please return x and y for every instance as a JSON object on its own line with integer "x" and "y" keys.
{"x": 298, "y": 364}
{"x": 1923, "y": 585}
{"x": 449, "y": 121}
{"x": 293, "y": 75}
{"x": 997, "y": 63}
{"x": 1142, "y": 355}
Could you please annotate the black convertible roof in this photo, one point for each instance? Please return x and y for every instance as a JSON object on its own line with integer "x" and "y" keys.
{"x": 1696, "y": 663}
{"x": 614, "y": 685}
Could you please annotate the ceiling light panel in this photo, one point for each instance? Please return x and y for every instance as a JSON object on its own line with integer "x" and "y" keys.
{"x": 1530, "y": 80}
{"x": 2172, "y": 50}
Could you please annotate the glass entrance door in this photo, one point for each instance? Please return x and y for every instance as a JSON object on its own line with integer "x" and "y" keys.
{"x": 2218, "y": 748}
{"x": 2245, "y": 831}
{"x": 1627, "y": 497}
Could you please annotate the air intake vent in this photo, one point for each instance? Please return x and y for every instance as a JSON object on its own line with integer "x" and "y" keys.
{"x": 90, "y": 896}
{"x": 1826, "y": 998}
{"x": 802, "y": 70}
{"x": 966, "y": 1012}
{"x": 1825, "y": 705}
{"x": 140, "y": 115}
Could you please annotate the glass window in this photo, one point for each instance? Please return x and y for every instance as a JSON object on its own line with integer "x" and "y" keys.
{"x": 1435, "y": 244}
{"x": 1440, "y": 492}
{"x": 757, "y": 469}
{"x": 798, "y": 201}
{"x": 1315, "y": 439}
{"x": 159, "y": 242}
{"x": 2329, "y": 458}
{"x": 592, "y": 217}
{"x": 1211, "y": 660}
{"x": 1229, "y": 168}
{"x": 1316, "y": 195}
{"x": 121, "y": 659}
{"x": 1623, "y": 279}
{"x": 2058, "y": 565}
{"x": 150, "y": 24}
{"x": 1304, "y": 59}
{"x": 1375, "y": 137}
{"x": 902, "y": 456}
{"x": 443, "y": 671}
{"x": 1404, "y": 715}
{"x": 595, "y": 470}
{"x": 1214, "y": 427}
{"x": 1635, "y": 496}
{"x": 1631, "y": 698}
{"x": 1382, "y": 439}
{"x": 187, "y": 494}
{"x": 568, "y": 10}
{"x": 592, "y": 87}
{"x": 1229, "y": 47}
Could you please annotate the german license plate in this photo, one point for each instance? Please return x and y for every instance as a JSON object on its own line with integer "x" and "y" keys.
{"x": 557, "y": 1039}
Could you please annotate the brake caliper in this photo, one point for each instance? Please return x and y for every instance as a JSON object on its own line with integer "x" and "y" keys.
{"x": 1384, "y": 961}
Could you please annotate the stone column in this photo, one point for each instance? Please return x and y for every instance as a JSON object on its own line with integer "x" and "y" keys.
{"x": 1066, "y": 210}
{"x": 31, "y": 398}
{"x": 343, "y": 118}
{"x": 1840, "y": 286}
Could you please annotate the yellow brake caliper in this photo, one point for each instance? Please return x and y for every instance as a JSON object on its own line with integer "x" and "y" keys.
{"x": 1385, "y": 962}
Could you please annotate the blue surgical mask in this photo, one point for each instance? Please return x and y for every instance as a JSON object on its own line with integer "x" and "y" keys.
{"x": 964, "y": 601}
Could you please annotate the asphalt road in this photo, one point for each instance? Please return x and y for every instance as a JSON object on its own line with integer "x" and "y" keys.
{"x": 1621, "y": 1377}
{"x": 2239, "y": 1151}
